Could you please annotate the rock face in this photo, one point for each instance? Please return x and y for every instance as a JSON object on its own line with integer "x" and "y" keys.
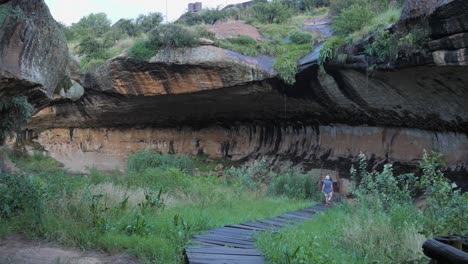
{"x": 328, "y": 146}
{"x": 33, "y": 51}
{"x": 211, "y": 101}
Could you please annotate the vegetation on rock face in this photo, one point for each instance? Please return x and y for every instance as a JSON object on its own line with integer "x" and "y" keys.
{"x": 95, "y": 40}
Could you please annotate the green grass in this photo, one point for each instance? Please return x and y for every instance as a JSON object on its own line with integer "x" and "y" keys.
{"x": 119, "y": 212}
{"x": 389, "y": 16}
{"x": 348, "y": 234}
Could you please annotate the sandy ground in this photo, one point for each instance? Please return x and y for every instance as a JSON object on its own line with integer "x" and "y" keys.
{"x": 18, "y": 250}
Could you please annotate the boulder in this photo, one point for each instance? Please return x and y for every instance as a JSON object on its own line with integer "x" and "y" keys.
{"x": 33, "y": 51}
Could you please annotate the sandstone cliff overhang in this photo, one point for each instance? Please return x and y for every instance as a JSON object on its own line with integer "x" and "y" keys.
{"x": 33, "y": 51}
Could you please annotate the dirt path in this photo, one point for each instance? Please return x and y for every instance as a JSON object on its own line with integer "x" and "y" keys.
{"x": 18, "y": 250}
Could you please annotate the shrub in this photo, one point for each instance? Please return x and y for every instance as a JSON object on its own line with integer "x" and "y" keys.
{"x": 285, "y": 181}
{"x": 292, "y": 183}
{"x": 298, "y": 37}
{"x": 352, "y": 19}
{"x": 446, "y": 208}
{"x": 20, "y": 195}
{"x": 142, "y": 160}
{"x": 141, "y": 50}
{"x": 172, "y": 35}
{"x": 286, "y": 62}
{"x": 385, "y": 46}
{"x": 328, "y": 51}
{"x": 382, "y": 189}
{"x": 14, "y": 114}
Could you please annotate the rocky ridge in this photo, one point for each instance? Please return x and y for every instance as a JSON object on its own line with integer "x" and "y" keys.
{"x": 215, "y": 102}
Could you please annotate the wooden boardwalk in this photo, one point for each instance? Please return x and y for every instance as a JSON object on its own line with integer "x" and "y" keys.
{"x": 235, "y": 243}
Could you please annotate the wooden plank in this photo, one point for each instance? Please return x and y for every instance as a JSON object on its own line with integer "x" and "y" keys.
{"x": 225, "y": 239}
{"x": 261, "y": 225}
{"x": 245, "y": 227}
{"x": 231, "y": 235}
{"x": 224, "y": 244}
{"x": 297, "y": 216}
{"x": 282, "y": 220}
{"x": 236, "y": 229}
{"x": 225, "y": 251}
{"x": 306, "y": 215}
{"x": 275, "y": 223}
{"x": 199, "y": 256}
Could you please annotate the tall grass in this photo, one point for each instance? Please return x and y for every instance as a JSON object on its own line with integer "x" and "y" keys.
{"x": 148, "y": 159}
{"x": 128, "y": 212}
{"x": 380, "y": 21}
{"x": 348, "y": 234}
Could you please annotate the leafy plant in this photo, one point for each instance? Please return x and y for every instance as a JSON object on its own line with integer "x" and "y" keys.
{"x": 182, "y": 232}
{"x": 328, "y": 51}
{"x": 138, "y": 226}
{"x": 446, "y": 207}
{"x": 141, "y": 50}
{"x": 20, "y": 194}
{"x": 152, "y": 201}
{"x": 98, "y": 207}
{"x": 385, "y": 46}
{"x": 14, "y": 114}
{"x": 286, "y": 62}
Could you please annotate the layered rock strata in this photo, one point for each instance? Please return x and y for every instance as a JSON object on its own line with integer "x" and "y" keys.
{"x": 218, "y": 103}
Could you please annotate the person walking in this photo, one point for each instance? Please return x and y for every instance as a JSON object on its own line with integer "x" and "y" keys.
{"x": 327, "y": 189}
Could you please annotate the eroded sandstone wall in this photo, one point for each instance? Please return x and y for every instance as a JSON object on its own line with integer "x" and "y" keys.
{"x": 321, "y": 146}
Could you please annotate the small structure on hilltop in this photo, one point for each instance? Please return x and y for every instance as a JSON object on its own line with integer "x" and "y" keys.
{"x": 195, "y": 7}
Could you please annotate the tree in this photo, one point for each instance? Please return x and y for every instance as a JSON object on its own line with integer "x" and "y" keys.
{"x": 146, "y": 23}
{"x": 127, "y": 26}
{"x": 271, "y": 12}
{"x": 93, "y": 24}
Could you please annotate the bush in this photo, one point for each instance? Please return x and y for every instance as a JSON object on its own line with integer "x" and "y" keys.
{"x": 385, "y": 46}
{"x": 286, "y": 62}
{"x": 172, "y": 35}
{"x": 328, "y": 51}
{"x": 271, "y": 12}
{"x": 292, "y": 183}
{"x": 20, "y": 195}
{"x": 286, "y": 181}
{"x": 141, "y": 50}
{"x": 142, "y": 160}
{"x": 298, "y": 37}
{"x": 446, "y": 207}
{"x": 352, "y": 19}
{"x": 206, "y": 16}
{"x": 14, "y": 114}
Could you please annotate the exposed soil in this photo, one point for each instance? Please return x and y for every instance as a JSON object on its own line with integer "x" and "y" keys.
{"x": 19, "y": 250}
